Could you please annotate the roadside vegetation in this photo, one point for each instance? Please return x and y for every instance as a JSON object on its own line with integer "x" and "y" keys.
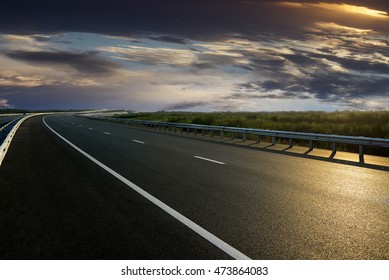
{"x": 352, "y": 123}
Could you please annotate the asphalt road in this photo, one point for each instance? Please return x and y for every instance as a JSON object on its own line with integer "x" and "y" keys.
{"x": 58, "y": 204}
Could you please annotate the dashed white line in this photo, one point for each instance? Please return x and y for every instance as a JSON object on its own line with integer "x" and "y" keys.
{"x": 211, "y": 160}
{"x": 107, "y": 133}
{"x": 90, "y": 128}
{"x": 80, "y": 125}
{"x": 137, "y": 141}
{"x": 189, "y": 223}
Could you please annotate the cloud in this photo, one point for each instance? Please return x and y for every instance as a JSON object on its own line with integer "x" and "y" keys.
{"x": 336, "y": 7}
{"x": 191, "y": 19}
{"x": 339, "y": 68}
{"x": 241, "y": 51}
{"x": 152, "y": 56}
{"x": 169, "y": 39}
{"x": 11, "y": 79}
{"x": 4, "y": 103}
{"x": 186, "y": 105}
{"x": 212, "y": 60}
{"x": 85, "y": 62}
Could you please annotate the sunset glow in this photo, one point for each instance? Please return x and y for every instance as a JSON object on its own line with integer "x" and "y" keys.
{"x": 341, "y": 7}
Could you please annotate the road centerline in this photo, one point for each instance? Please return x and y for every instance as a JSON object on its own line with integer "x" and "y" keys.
{"x": 208, "y": 159}
{"x": 137, "y": 141}
{"x": 234, "y": 253}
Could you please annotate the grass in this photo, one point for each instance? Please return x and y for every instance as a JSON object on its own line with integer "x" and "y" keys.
{"x": 352, "y": 123}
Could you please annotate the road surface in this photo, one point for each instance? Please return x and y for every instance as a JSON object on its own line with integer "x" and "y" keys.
{"x": 58, "y": 204}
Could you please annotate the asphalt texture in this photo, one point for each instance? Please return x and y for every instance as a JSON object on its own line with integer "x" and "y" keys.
{"x": 57, "y": 204}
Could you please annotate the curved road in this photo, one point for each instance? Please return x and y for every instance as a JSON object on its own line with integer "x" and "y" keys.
{"x": 58, "y": 204}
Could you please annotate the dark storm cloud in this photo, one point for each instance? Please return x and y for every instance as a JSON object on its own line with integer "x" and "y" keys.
{"x": 190, "y": 19}
{"x": 87, "y": 62}
{"x": 357, "y": 65}
{"x": 247, "y": 96}
{"x": 213, "y": 60}
{"x": 169, "y": 39}
{"x": 186, "y": 105}
{"x": 324, "y": 76}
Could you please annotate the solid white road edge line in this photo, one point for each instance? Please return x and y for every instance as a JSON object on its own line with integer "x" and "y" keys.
{"x": 107, "y": 133}
{"x": 193, "y": 226}
{"x": 211, "y": 160}
{"x": 137, "y": 141}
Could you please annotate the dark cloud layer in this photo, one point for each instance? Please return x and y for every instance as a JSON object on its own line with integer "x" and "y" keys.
{"x": 190, "y": 19}
{"x": 186, "y": 105}
{"x": 169, "y": 39}
{"x": 87, "y": 62}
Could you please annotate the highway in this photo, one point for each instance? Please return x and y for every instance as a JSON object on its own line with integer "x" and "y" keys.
{"x": 198, "y": 199}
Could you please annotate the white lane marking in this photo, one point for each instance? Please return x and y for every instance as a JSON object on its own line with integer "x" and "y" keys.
{"x": 107, "y": 133}
{"x": 90, "y": 128}
{"x": 137, "y": 141}
{"x": 79, "y": 125}
{"x": 190, "y": 224}
{"x": 211, "y": 160}
{"x": 73, "y": 123}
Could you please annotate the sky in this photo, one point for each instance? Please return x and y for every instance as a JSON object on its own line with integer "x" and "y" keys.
{"x": 214, "y": 55}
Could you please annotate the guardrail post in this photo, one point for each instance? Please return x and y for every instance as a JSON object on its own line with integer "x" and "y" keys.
{"x": 195, "y": 131}
{"x": 245, "y": 136}
{"x": 222, "y": 134}
{"x": 361, "y": 158}
{"x": 310, "y": 145}
{"x": 232, "y": 136}
{"x": 212, "y": 133}
{"x": 333, "y": 150}
{"x": 203, "y": 131}
{"x": 258, "y": 139}
{"x": 273, "y": 140}
{"x": 290, "y": 143}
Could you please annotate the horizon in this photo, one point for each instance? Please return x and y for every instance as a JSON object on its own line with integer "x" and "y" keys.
{"x": 200, "y": 56}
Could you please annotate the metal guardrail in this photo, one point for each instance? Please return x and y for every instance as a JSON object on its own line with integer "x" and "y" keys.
{"x": 274, "y": 134}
